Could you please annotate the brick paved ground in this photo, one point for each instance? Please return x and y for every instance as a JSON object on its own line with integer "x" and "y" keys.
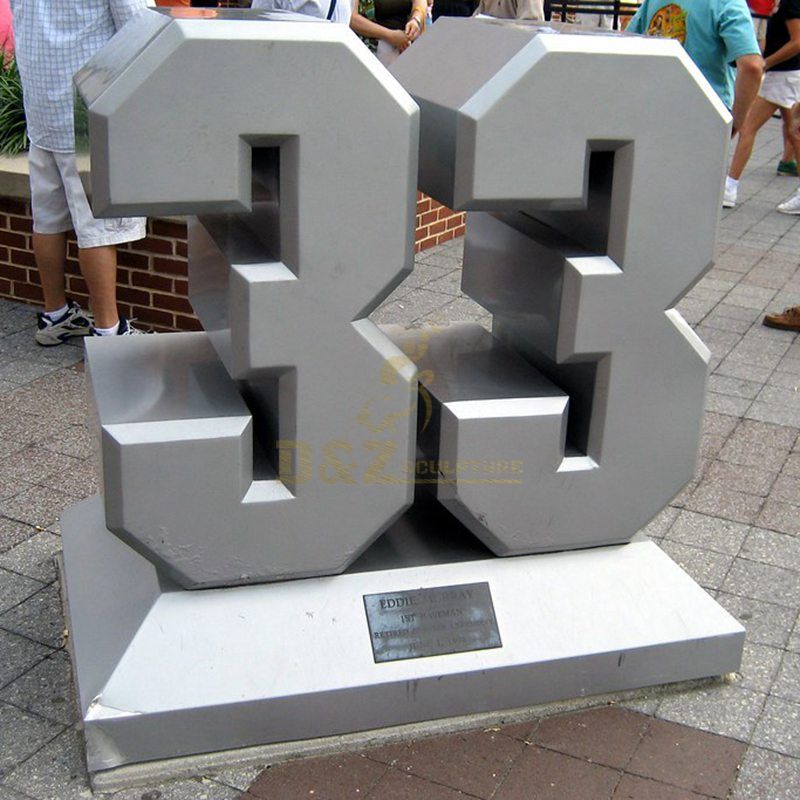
{"x": 736, "y": 529}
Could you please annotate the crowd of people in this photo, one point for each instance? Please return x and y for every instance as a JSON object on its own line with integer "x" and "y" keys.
{"x": 53, "y": 40}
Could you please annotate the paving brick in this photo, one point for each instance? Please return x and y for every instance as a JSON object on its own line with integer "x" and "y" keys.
{"x": 779, "y": 727}
{"x": 763, "y": 582}
{"x": 711, "y": 499}
{"x": 787, "y": 680}
{"x": 707, "y": 532}
{"x": 694, "y": 760}
{"x": 38, "y": 618}
{"x": 767, "y": 776}
{"x": 14, "y": 589}
{"x": 607, "y": 736}
{"x": 778, "y": 516}
{"x": 19, "y": 655}
{"x": 335, "y": 777}
{"x": 34, "y": 557}
{"x": 706, "y": 567}
{"x": 23, "y": 735}
{"x": 760, "y": 664}
{"x": 547, "y": 775}
{"x": 769, "y": 547}
{"x": 766, "y": 623}
{"x": 632, "y": 787}
{"x": 725, "y": 709}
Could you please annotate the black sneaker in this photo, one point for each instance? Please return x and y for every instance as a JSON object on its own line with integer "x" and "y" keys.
{"x": 74, "y": 322}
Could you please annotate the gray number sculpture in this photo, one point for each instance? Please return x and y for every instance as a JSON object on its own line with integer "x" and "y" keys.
{"x": 274, "y": 112}
{"x": 594, "y": 166}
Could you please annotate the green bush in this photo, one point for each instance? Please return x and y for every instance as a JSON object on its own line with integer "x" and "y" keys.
{"x": 13, "y": 130}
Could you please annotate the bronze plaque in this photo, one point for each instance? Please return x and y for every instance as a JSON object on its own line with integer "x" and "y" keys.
{"x": 431, "y": 622}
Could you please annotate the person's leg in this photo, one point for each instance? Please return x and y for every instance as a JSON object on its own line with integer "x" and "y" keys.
{"x": 791, "y": 134}
{"x": 50, "y": 252}
{"x": 99, "y": 269}
{"x": 759, "y": 113}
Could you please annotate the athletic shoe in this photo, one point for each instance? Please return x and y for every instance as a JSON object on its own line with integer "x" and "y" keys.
{"x": 125, "y": 329}
{"x": 787, "y": 320}
{"x": 787, "y": 168}
{"x": 74, "y": 322}
{"x": 729, "y": 197}
{"x": 792, "y": 205}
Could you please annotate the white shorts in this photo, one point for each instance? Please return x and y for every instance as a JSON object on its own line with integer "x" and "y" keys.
{"x": 59, "y": 203}
{"x": 781, "y": 88}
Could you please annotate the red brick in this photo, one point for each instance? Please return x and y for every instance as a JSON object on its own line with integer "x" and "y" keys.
{"x": 123, "y": 276}
{"x": 72, "y": 249}
{"x": 172, "y": 266}
{"x": 77, "y": 284}
{"x": 181, "y": 288}
{"x": 149, "y": 281}
{"x": 13, "y": 273}
{"x": 438, "y": 227}
{"x": 152, "y": 245}
{"x": 460, "y": 231}
{"x": 181, "y": 249}
{"x": 454, "y": 222}
{"x": 12, "y": 206}
{"x": 133, "y": 295}
{"x": 23, "y": 224}
{"x": 172, "y": 303}
{"x": 421, "y": 233}
{"x": 426, "y": 243}
{"x": 13, "y": 239}
{"x": 72, "y": 267}
{"x": 135, "y": 260}
{"x": 5, "y": 286}
{"x": 28, "y": 291}
{"x": 423, "y": 206}
{"x": 174, "y": 230}
{"x": 428, "y": 218}
{"x": 183, "y": 323}
{"x": 445, "y": 237}
{"x": 3, "y": 221}
{"x": 3, "y": 254}
{"x": 154, "y": 316}
{"x": 22, "y": 258}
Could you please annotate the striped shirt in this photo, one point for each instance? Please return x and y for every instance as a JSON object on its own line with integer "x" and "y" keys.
{"x": 54, "y": 39}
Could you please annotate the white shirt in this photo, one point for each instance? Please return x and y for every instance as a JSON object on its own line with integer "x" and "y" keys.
{"x": 53, "y": 40}
{"x": 311, "y": 8}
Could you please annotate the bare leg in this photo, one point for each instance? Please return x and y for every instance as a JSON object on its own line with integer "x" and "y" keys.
{"x": 99, "y": 269}
{"x": 759, "y": 113}
{"x": 50, "y": 251}
{"x": 791, "y": 135}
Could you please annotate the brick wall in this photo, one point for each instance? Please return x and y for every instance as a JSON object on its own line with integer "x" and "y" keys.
{"x": 152, "y": 274}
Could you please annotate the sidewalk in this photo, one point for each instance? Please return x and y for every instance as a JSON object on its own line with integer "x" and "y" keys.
{"x": 735, "y": 529}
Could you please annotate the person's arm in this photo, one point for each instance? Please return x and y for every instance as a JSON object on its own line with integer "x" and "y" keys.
{"x": 791, "y": 48}
{"x": 372, "y": 30}
{"x": 416, "y": 19}
{"x": 749, "y": 70}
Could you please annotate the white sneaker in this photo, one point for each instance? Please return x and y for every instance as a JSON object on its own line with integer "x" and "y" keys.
{"x": 729, "y": 197}
{"x": 74, "y": 322}
{"x": 792, "y": 205}
{"x": 125, "y": 329}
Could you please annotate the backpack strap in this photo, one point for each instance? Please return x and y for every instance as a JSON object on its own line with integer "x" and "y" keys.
{"x": 331, "y": 10}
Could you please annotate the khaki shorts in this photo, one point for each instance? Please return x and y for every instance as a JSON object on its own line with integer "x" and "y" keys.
{"x": 59, "y": 203}
{"x": 781, "y": 88}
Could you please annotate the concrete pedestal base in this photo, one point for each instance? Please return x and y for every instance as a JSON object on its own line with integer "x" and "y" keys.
{"x": 163, "y": 672}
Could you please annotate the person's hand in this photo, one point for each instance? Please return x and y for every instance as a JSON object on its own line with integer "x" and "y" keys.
{"x": 413, "y": 28}
{"x": 398, "y": 40}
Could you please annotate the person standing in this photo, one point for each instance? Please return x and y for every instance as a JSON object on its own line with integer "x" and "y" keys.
{"x": 779, "y": 91}
{"x": 52, "y": 41}
{"x": 715, "y": 34}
